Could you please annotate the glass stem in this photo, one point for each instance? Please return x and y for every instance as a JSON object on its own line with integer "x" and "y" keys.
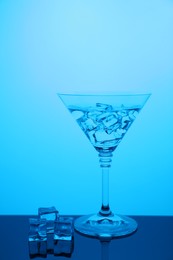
{"x": 105, "y": 250}
{"x": 105, "y": 163}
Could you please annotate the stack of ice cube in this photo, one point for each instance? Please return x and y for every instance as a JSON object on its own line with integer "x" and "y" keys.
{"x": 50, "y": 233}
{"x": 37, "y": 237}
{"x": 50, "y": 215}
{"x": 63, "y": 236}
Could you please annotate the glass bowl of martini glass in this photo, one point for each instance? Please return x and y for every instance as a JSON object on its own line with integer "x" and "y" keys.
{"x": 105, "y": 119}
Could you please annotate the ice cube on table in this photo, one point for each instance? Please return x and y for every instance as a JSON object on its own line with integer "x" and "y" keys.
{"x": 50, "y": 240}
{"x": 63, "y": 236}
{"x": 37, "y": 239}
{"x": 64, "y": 247}
{"x": 50, "y": 213}
{"x": 64, "y": 227}
{"x": 37, "y": 247}
{"x": 37, "y": 227}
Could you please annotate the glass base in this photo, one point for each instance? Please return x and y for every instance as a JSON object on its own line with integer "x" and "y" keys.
{"x": 111, "y": 226}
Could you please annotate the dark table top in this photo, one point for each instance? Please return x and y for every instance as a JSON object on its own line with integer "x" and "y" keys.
{"x": 152, "y": 241}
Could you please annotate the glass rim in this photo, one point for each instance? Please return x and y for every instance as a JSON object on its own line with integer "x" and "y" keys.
{"x": 104, "y": 93}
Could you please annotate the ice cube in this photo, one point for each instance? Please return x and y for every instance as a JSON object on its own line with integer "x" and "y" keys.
{"x": 91, "y": 136}
{"x": 37, "y": 227}
{"x": 50, "y": 213}
{"x": 125, "y": 121}
{"x": 37, "y": 248}
{"x": 64, "y": 226}
{"x": 122, "y": 112}
{"x": 102, "y": 136}
{"x": 63, "y": 236}
{"x": 89, "y": 124}
{"x": 112, "y": 128}
{"x": 50, "y": 240}
{"x": 94, "y": 114}
{"x": 103, "y": 116}
{"x": 110, "y": 120}
{"x": 77, "y": 114}
{"x": 64, "y": 247}
{"x": 117, "y": 135}
{"x": 120, "y": 132}
{"x": 104, "y": 107}
{"x": 112, "y": 143}
{"x": 37, "y": 239}
{"x": 133, "y": 114}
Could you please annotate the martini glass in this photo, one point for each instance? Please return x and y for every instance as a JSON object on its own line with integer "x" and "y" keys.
{"x": 105, "y": 119}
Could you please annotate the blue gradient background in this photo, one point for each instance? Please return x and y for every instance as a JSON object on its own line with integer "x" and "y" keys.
{"x": 52, "y": 46}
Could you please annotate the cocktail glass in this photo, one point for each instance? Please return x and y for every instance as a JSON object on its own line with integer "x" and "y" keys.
{"x": 105, "y": 119}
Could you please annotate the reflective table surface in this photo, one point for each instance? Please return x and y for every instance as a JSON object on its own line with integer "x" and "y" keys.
{"x": 152, "y": 241}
